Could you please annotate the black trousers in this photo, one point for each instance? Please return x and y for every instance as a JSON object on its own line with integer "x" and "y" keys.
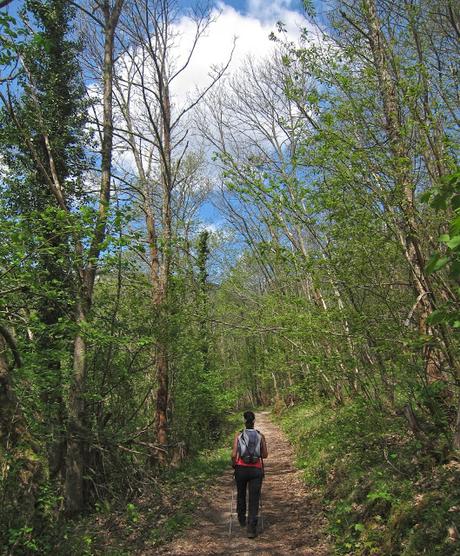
{"x": 248, "y": 478}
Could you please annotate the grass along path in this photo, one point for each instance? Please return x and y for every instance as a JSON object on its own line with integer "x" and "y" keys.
{"x": 292, "y": 515}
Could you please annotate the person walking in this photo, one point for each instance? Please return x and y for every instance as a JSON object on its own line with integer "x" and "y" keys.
{"x": 249, "y": 451}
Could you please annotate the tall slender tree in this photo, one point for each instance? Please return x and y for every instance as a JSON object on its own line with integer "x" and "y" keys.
{"x": 43, "y": 133}
{"x": 158, "y": 140}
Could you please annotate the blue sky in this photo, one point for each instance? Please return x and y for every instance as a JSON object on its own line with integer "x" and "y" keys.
{"x": 251, "y": 6}
{"x": 242, "y": 5}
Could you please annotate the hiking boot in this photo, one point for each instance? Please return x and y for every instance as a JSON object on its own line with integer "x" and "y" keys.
{"x": 252, "y": 530}
{"x": 242, "y": 520}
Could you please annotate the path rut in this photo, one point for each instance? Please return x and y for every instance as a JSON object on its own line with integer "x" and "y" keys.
{"x": 292, "y": 515}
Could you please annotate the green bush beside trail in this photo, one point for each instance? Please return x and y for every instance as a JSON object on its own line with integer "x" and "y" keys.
{"x": 120, "y": 527}
{"x": 383, "y": 494}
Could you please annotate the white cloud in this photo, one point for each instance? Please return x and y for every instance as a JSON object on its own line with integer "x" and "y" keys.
{"x": 251, "y": 30}
{"x": 214, "y": 227}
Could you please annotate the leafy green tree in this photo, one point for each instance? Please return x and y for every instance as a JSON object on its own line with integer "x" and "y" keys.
{"x": 446, "y": 197}
{"x": 45, "y": 130}
{"x": 42, "y": 130}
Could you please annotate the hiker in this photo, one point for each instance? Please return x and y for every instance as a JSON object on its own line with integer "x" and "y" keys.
{"x": 249, "y": 451}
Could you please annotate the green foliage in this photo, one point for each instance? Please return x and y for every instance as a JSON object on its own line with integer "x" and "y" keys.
{"x": 321, "y": 296}
{"x": 446, "y": 198}
{"x": 42, "y": 121}
{"x": 51, "y": 108}
{"x": 200, "y": 400}
{"x": 21, "y": 541}
{"x": 148, "y": 520}
{"x": 132, "y": 513}
{"x": 382, "y": 494}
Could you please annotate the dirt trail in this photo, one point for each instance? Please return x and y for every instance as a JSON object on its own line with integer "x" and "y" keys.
{"x": 293, "y": 522}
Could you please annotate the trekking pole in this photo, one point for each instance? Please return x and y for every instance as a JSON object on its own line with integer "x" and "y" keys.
{"x": 261, "y": 513}
{"x": 260, "y": 499}
{"x": 231, "y": 510}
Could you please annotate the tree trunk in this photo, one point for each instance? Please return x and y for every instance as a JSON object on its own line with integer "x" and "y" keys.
{"x": 162, "y": 402}
{"x": 55, "y": 410}
{"x": 75, "y": 457}
{"x": 456, "y": 439}
{"x": 17, "y": 442}
{"x": 77, "y": 441}
{"x": 161, "y": 298}
{"x": 404, "y": 185}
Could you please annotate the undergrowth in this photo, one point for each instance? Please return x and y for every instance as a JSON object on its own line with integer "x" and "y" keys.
{"x": 383, "y": 495}
{"x": 164, "y": 508}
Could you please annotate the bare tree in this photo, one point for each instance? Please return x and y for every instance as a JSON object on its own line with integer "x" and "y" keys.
{"x": 155, "y": 131}
{"x": 257, "y": 122}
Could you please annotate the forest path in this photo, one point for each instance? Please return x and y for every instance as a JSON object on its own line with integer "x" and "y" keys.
{"x": 292, "y": 517}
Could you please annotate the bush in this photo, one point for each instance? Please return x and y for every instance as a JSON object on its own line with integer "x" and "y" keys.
{"x": 383, "y": 494}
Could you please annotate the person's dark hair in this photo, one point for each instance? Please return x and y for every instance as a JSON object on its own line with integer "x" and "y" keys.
{"x": 249, "y": 419}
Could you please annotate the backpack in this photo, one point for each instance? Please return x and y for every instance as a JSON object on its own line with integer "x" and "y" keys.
{"x": 249, "y": 445}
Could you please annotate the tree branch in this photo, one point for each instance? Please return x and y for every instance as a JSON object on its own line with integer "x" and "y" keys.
{"x": 11, "y": 344}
